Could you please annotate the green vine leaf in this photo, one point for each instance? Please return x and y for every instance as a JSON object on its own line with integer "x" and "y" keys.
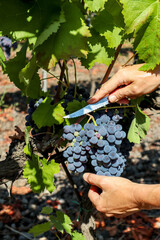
{"x": 30, "y": 78}
{"x": 99, "y": 52}
{"x": 30, "y": 19}
{"x": 70, "y": 39}
{"x": 94, "y": 5}
{"x": 2, "y": 59}
{"x": 62, "y": 222}
{"x": 77, "y": 236}
{"x": 15, "y": 65}
{"x": 53, "y": 28}
{"x": 49, "y": 169}
{"x": 40, "y": 228}
{"x": 47, "y": 210}
{"x": 139, "y": 126}
{"x": 39, "y": 176}
{"x": 50, "y": 114}
{"x": 109, "y": 23}
{"x": 136, "y": 14}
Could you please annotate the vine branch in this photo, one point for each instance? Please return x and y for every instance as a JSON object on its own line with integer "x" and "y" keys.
{"x": 109, "y": 69}
{"x": 57, "y": 96}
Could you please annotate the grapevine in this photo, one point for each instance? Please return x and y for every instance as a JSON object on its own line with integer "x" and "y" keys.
{"x": 50, "y": 33}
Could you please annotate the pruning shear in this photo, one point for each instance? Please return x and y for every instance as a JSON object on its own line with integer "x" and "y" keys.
{"x": 89, "y": 108}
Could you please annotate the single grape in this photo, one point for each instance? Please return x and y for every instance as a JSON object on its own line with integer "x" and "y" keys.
{"x": 77, "y": 164}
{"x": 107, "y": 149}
{"x": 93, "y": 140}
{"x": 80, "y": 169}
{"x": 111, "y": 138}
{"x": 76, "y": 156}
{"x": 94, "y": 163}
{"x": 102, "y": 131}
{"x": 113, "y": 155}
{"x": 69, "y": 136}
{"x": 112, "y": 170}
{"x": 118, "y": 134}
{"x": 70, "y": 160}
{"x": 77, "y": 149}
{"x": 71, "y": 167}
{"x": 78, "y": 127}
{"x": 111, "y": 129}
{"x": 90, "y": 133}
{"x": 100, "y": 143}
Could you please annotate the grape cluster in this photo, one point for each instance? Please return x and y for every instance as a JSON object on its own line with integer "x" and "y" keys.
{"x": 81, "y": 95}
{"x": 33, "y": 104}
{"x": 6, "y": 44}
{"x": 98, "y": 144}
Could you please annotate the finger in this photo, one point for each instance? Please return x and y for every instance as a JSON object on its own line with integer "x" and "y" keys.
{"x": 93, "y": 179}
{"x": 123, "y": 101}
{"x": 116, "y": 81}
{"x": 119, "y": 94}
{"x": 94, "y": 196}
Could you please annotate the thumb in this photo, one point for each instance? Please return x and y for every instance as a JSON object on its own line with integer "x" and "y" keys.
{"x": 93, "y": 179}
{"x": 120, "y": 93}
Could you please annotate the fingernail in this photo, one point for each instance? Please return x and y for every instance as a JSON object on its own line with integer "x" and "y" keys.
{"x": 91, "y": 100}
{"x": 113, "y": 98}
{"x": 85, "y": 176}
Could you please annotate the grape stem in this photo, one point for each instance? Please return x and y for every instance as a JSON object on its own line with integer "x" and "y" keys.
{"x": 124, "y": 65}
{"x": 128, "y": 106}
{"x": 67, "y": 75}
{"x": 91, "y": 117}
{"x": 57, "y": 96}
{"x": 109, "y": 69}
{"x": 75, "y": 74}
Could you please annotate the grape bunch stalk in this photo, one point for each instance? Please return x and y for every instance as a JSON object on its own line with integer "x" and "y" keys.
{"x": 101, "y": 144}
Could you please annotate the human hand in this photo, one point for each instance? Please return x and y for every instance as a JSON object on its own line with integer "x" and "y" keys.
{"x": 134, "y": 82}
{"x": 117, "y": 198}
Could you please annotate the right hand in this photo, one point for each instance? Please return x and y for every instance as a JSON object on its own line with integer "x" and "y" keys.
{"x": 134, "y": 82}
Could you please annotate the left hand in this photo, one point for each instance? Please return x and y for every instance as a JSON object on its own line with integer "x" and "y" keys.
{"x": 117, "y": 198}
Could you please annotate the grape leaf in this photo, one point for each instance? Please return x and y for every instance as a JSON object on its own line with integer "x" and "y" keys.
{"x": 27, "y": 148}
{"x": 2, "y": 59}
{"x": 50, "y": 114}
{"x": 109, "y": 23}
{"x": 40, "y": 228}
{"x": 40, "y": 177}
{"x": 139, "y": 126}
{"x": 99, "y": 52}
{"x": 30, "y": 78}
{"x": 62, "y": 222}
{"x": 70, "y": 39}
{"x": 30, "y": 17}
{"x": 49, "y": 30}
{"x": 136, "y": 14}
{"x": 48, "y": 171}
{"x": 76, "y": 235}
{"x": 33, "y": 172}
{"x": 47, "y": 210}
{"x": 94, "y": 5}
{"x": 75, "y": 105}
{"x": 14, "y": 66}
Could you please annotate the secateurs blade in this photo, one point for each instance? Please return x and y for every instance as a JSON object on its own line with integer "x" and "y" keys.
{"x": 89, "y": 108}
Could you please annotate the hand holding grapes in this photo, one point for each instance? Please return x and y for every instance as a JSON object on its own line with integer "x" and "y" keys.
{"x": 120, "y": 197}
{"x": 117, "y": 196}
{"x": 135, "y": 84}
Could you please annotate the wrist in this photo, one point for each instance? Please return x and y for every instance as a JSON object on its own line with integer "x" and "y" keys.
{"x": 147, "y": 195}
